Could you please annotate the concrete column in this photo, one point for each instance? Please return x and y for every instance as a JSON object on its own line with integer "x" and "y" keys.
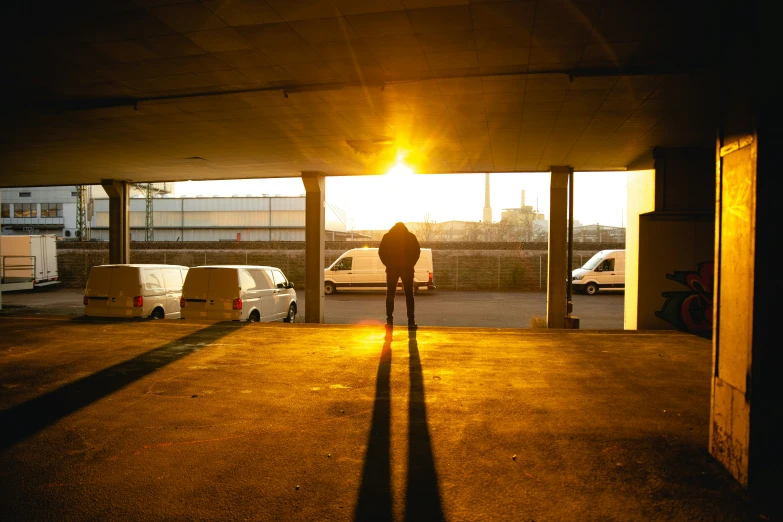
{"x": 557, "y": 264}
{"x": 746, "y": 421}
{"x": 315, "y": 226}
{"x": 670, "y": 239}
{"x": 119, "y": 220}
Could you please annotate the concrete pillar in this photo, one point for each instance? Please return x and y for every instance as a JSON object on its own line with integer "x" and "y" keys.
{"x": 119, "y": 220}
{"x": 315, "y": 226}
{"x": 670, "y": 240}
{"x": 746, "y": 421}
{"x": 557, "y": 263}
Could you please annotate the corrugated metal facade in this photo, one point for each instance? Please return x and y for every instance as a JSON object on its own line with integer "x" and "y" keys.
{"x": 214, "y": 219}
{"x": 210, "y": 234}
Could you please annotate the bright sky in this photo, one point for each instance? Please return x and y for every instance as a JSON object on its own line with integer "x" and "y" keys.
{"x": 377, "y": 202}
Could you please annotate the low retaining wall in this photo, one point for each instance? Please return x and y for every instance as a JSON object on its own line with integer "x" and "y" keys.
{"x": 458, "y": 265}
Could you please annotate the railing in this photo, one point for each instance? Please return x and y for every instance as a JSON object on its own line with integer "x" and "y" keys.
{"x": 18, "y": 268}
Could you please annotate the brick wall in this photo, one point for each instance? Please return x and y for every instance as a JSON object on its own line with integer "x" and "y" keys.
{"x": 458, "y": 265}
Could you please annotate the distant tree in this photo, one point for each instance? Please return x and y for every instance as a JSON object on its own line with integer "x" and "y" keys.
{"x": 473, "y": 231}
{"x": 429, "y": 229}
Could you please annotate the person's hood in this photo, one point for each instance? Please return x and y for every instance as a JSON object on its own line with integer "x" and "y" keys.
{"x": 398, "y": 227}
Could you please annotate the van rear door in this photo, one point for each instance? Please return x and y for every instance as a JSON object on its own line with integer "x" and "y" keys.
{"x": 125, "y": 285}
{"x": 194, "y": 290}
{"x": 223, "y": 289}
{"x": 97, "y": 291}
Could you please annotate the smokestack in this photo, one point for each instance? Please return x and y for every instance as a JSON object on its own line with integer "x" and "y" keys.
{"x": 487, "y": 208}
{"x": 523, "y": 199}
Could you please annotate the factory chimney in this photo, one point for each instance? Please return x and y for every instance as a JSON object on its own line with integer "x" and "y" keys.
{"x": 523, "y": 199}
{"x": 487, "y": 208}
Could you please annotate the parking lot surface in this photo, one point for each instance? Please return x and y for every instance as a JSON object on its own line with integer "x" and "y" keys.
{"x": 603, "y": 311}
{"x": 181, "y": 420}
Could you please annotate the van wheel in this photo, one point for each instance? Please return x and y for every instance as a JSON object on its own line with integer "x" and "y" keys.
{"x": 254, "y": 317}
{"x": 156, "y": 314}
{"x": 291, "y": 314}
{"x": 591, "y": 288}
{"x": 329, "y": 288}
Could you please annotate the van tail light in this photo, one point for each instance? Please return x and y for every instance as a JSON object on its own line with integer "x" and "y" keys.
{"x": 237, "y": 304}
{"x": 430, "y": 281}
{"x": 138, "y": 301}
{"x": 182, "y": 302}
{"x": 86, "y": 300}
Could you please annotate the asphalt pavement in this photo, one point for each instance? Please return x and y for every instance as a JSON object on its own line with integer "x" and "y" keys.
{"x": 603, "y": 311}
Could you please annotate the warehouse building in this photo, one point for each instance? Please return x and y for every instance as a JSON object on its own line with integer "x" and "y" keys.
{"x": 53, "y": 210}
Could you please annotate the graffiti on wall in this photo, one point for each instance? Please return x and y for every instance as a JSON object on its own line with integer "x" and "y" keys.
{"x": 690, "y": 310}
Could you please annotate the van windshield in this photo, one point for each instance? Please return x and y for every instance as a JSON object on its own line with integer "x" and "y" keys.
{"x": 593, "y": 262}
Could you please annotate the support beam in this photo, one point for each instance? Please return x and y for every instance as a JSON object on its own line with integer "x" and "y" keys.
{"x": 315, "y": 226}
{"x": 119, "y": 219}
{"x": 557, "y": 262}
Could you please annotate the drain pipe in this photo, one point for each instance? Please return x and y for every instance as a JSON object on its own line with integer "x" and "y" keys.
{"x": 571, "y": 322}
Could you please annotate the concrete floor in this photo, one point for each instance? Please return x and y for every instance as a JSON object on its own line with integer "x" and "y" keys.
{"x": 182, "y": 420}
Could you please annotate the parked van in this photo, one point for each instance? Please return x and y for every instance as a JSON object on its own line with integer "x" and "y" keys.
{"x": 238, "y": 293}
{"x": 361, "y": 269}
{"x": 138, "y": 290}
{"x": 604, "y": 270}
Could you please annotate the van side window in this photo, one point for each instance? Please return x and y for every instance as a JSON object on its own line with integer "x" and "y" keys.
{"x": 608, "y": 265}
{"x": 280, "y": 280}
{"x": 173, "y": 279}
{"x": 246, "y": 281}
{"x": 263, "y": 279}
{"x": 153, "y": 280}
{"x": 344, "y": 264}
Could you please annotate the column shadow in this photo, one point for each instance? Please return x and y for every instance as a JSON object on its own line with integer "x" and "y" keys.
{"x": 422, "y": 495}
{"x": 28, "y": 418}
{"x": 375, "y": 498}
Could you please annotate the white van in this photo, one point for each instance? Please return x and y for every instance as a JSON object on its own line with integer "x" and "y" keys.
{"x": 361, "y": 269}
{"x": 238, "y": 293}
{"x": 139, "y": 290}
{"x": 605, "y": 270}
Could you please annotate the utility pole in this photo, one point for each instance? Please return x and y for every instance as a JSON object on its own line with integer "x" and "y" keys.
{"x": 149, "y": 219}
{"x": 81, "y": 213}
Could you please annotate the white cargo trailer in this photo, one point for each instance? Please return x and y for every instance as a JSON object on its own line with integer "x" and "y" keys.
{"x": 27, "y": 262}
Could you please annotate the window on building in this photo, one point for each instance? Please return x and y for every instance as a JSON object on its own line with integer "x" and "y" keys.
{"x": 23, "y": 210}
{"x": 74, "y": 194}
{"x": 6, "y": 210}
{"x": 51, "y": 210}
{"x": 24, "y": 194}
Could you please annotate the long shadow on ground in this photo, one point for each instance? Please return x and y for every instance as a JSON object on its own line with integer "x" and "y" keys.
{"x": 375, "y": 499}
{"x": 28, "y": 418}
{"x": 422, "y": 495}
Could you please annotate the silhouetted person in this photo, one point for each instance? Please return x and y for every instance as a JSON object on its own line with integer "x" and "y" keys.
{"x": 399, "y": 252}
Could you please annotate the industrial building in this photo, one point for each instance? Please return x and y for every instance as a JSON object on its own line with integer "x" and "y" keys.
{"x": 54, "y": 210}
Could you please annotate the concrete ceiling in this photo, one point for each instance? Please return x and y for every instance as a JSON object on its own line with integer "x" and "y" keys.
{"x": 154, "y": 90}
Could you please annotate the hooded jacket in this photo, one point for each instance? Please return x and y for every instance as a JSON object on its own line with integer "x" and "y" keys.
{"x": 399, "y": 248}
